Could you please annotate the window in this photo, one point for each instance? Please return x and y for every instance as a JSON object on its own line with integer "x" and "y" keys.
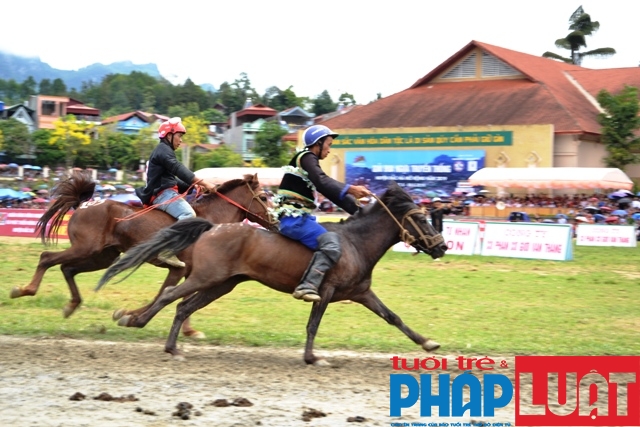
{"x": 48, "y": 108}
{"x": 493, "y": 67}
{"x": 465, "y": 69}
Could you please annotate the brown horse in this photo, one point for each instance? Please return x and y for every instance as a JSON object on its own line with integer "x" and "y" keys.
{"x": 229, "y": 254}
{"x": 98, "y": 237}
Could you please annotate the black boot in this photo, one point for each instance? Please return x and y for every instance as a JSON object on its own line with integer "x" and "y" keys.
{"x": 323, "y": 259}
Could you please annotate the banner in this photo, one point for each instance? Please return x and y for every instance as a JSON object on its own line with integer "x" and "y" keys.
{"x": 462, "y": 238}
{"x": 528, "y": 240}
{"x": 427, "y": 173}
{"x": 606, "y": 235}
{"x": 23, "y": 222}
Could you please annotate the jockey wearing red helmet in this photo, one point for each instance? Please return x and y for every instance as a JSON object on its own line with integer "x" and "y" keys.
{"x": 296, "y": 201}
{"x": 167, "y": 178}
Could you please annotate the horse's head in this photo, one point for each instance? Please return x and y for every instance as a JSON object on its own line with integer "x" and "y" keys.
{"x": 414, "y": 227}
{"x": 245, "y": 194}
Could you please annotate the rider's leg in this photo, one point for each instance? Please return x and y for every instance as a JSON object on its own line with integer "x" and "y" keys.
{"x": 178, "y": 209}
{"x": 325, "y": 257}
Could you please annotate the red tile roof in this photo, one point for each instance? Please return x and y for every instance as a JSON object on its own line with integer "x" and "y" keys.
{"x": 546, "y": 95}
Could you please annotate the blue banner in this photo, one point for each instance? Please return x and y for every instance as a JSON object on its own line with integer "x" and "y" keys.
{"x": 421, "y": 172}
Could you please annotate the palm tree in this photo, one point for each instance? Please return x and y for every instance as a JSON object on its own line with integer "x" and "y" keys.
{"x": 581, "y": 26}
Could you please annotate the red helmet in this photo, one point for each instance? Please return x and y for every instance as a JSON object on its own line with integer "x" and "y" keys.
{"x": 173, "y": 125}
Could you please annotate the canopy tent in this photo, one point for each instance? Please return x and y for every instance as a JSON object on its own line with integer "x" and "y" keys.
{"x": 266, "y": 176}
{"x": 553, "y": 178}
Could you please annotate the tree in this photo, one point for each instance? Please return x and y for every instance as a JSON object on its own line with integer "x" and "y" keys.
{"x": 197, "y": 132}
{"x": 323, "y": 104}
{"x": 619, "y": 126}
{"x": 115, "y": 149}
{"x": 269, "y": 144}
{"x": 44, "y": 88}
{"x": 58, "y": 88}
{"x": 27, "y": 88}
{"x": 47, "y": 154}
{"x": 144, "y": 143}
{"x": 235, "y": 94}
{"x": 221, "y": 157}
{"x": 581, "y": 26}
{"x": 70, "y": 135}
{"x": 347, "y": 99}
{"x": 16, "y": 138}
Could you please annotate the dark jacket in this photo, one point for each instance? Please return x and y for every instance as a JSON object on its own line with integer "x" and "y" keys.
{"x": 336, "y": 191}
{"x": 164, "y": 171}
{"x": 436, "y": 217}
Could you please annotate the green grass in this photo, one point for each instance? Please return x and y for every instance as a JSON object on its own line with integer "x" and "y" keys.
{"x": 471, "y": 305}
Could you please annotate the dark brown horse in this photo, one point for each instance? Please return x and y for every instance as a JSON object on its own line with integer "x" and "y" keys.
{"x": 232, "y": 253}
{"x": 98, "y": 238}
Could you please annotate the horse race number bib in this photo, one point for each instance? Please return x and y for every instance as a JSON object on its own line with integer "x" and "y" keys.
{"x": 90, "y": 203}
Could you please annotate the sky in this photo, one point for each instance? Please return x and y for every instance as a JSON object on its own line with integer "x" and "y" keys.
{"x": 355, "y": 46}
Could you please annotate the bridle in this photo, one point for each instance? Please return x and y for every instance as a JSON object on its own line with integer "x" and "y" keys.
{"x": 428, "y": 242}
{"x": 269, "y": 224}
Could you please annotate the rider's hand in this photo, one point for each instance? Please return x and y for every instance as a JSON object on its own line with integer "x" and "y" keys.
{"x": 359, "y": 191}
{"x": 211, "y": 188}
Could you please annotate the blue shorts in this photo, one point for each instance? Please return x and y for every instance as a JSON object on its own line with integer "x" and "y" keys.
{"x": 304, "y": 229}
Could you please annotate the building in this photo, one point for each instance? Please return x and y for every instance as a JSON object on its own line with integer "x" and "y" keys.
{"x": 484, "y": 106}
{"x": 129, "y": 123}
{"x": 21, "y": 113}
{"x": 48, "y": 109}
{"x": 243, "y": 127}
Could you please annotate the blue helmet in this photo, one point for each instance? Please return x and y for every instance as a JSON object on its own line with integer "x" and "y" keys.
{"x": 314, "y": 133}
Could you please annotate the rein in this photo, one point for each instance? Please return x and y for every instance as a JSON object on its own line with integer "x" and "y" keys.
{"x": 269, "y": 225}
{"x": 405, "y": 236}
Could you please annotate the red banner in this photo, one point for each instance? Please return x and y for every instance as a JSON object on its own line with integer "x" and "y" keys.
{"x": 22, "y": 223}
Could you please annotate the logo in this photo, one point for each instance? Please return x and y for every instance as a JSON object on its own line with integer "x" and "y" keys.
{"x": 577, "y": 391}
{"x": 458, "y": 166}
{"x": 545, "y": 390}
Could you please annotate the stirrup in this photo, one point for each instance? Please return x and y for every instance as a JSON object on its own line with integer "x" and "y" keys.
{"x": 172, "y": 260}
{"x": 306, "y": 294}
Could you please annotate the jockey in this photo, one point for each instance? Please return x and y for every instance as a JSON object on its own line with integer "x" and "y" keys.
{"x": 296, "y": 201}
{"x": 167, "y": 178}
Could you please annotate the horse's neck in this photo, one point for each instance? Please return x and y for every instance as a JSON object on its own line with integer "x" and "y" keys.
{"x": 373, "y": 233}
{"x": 218, "y": 210}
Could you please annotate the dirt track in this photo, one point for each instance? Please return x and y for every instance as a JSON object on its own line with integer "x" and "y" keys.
{"x": 39, "y": 376}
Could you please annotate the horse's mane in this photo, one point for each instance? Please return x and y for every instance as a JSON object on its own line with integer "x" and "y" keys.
{"x": 395, "y": 198}
{"x": 228, "y": 186}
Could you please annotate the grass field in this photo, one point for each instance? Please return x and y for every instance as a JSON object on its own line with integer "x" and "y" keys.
{"x": 471, "y": 305}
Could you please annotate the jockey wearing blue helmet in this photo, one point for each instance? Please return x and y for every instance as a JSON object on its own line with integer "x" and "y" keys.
{"x": 296, "y": 201}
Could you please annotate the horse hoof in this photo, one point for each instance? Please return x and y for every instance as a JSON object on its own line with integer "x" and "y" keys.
{"x": 68, "y": 311}
{"x": 321, "y": 362}
{"x": 117, "y": 314}
{"x": 196, "y": 335}
{"x": 16, "y": 292}
{"x": 124, "y": 320}
{"x": 430, "y": 345}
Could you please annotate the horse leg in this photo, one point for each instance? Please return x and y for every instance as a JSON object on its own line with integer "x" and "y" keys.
{"x": 172, "y": 279}
{"x": 47, "y": 260}
{"x": 373, "y": 303}
{"x": 190, "y": 305}
{"x": 317, "y": 311}
{"x": 96, "y": 262}
{"x": 166, "y": 297}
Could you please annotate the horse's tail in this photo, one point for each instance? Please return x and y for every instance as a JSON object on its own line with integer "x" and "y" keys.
{"x": 67, "y": 195}
{"x": 172, "y": 239}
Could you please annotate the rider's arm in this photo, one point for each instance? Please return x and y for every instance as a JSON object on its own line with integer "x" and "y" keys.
{"x": 333, "y": 190}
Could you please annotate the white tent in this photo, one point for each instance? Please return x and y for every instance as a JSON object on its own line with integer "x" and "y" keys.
{"x": 554, "y": 178}
{"x": 266, "y": 176}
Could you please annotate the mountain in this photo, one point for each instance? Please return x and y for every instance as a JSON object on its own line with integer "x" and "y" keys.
{"x": 19, "y": 68}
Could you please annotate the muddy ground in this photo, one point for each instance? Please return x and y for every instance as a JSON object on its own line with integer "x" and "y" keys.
{"x": 38, "y": 378}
